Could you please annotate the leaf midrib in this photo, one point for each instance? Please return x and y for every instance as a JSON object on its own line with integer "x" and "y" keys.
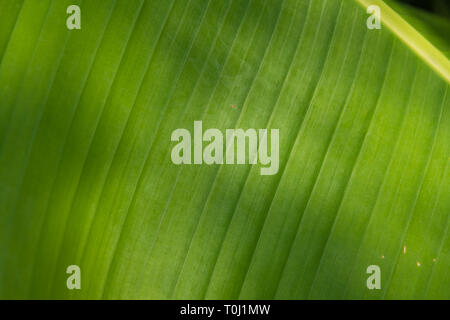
{"x": 432, "y": 56}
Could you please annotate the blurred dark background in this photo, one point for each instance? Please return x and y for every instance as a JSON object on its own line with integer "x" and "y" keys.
{"x": 441, "y": 7}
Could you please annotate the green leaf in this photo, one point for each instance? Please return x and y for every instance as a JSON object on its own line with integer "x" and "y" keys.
{"x": 86, "y": 176}
{"x": 435, "y": 28}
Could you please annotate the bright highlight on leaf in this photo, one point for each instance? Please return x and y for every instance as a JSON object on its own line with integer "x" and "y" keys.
{"x": 93, "y": 207}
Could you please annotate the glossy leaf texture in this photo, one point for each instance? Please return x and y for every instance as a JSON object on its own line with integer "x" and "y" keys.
{"x": 86, "y": 177}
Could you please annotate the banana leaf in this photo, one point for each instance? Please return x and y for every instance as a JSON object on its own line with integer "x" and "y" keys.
{"x": 86, "y": 177}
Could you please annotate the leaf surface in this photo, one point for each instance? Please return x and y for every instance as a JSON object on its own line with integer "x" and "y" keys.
{"x": 86, "y": 176}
